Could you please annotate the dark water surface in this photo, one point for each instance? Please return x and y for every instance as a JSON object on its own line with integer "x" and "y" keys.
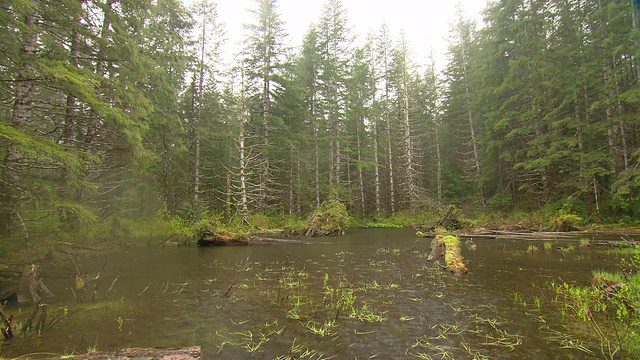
{"x": 370, "y": 294}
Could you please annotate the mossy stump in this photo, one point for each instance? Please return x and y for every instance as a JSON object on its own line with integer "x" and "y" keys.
{"x": 218, "y": 237}
{"x": 329, "y": 219}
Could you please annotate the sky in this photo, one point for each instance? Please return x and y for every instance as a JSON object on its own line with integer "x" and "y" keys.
{"x": 426, "y": 23}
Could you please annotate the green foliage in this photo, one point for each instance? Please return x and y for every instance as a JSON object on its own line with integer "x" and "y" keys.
{"x": 607, "y": 310}
{"x": 536, "y": 105}
{"x": 331, "y": 217}
{"x": 260, "y": 221}
{"x": 42, "y": 149}
{"x": 211, "y": 226}
{"x": 565, "y": 219}
{"x": 76, "y": 214}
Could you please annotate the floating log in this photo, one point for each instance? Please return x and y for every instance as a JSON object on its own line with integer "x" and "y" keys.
{"x": 189, "y": 353}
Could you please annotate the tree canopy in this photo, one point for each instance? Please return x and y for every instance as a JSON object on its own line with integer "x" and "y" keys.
{"x": 116, "y": 107}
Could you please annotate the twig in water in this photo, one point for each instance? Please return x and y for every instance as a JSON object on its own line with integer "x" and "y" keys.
{"x": 111, "y": 287}
{"x": 229, "y": 289}
{"x": 145, "y": 289}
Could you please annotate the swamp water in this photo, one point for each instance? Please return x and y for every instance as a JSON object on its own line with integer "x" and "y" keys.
{"x": 369, "y": 294}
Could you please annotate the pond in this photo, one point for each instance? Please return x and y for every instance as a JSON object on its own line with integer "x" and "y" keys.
{"x": 369, "y": 294}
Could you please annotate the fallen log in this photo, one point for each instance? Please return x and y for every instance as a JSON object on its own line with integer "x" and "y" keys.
{"x": 189, "y": 353}
{"x": 272, "y": 241}
{"x": 452, "y": 255}
{"x": 539, "y": 235}
{"x": 213, "y": 241}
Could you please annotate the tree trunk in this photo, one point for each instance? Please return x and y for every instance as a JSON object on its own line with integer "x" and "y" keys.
{"x": 376, "y": 160}
{"x": 316, "y": 162}
{"x": 244, "y": 210}
{"x": 265, "y": 182}
{"x": 376, "y": 147}
{"x": 360, "y": 173}
{"x": 408, "y": 137}
{"x": 20, "y": 118}
{"x": 198, "y": 119}
{"x": 472, "y": 129}
{"x": 439, "y": 183}
{"x": 101, "y": 70}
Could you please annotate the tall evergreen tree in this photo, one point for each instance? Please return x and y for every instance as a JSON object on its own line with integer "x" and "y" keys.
{"x": 265, "y": 51}
{"x": 334, "y": 42}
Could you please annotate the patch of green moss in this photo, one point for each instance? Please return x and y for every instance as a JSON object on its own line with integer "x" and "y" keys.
{"x": 452, "y": 255}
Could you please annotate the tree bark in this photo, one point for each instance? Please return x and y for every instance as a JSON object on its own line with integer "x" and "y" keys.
{"x": 244, "y": 209}
{"x": 20, "y": 117}
{"x": 360, "y": 172}
{"x": 439, "y": 182}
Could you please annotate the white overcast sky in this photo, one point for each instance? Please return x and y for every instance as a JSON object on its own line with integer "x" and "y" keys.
{"x": 426, "y": 23}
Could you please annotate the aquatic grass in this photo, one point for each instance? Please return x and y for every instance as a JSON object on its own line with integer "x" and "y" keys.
{"x": 623, "y": 251}
{"x": 604, "y": 312}
{"x": 366, "y": 314}
{"x": 473, "y": 354}
{"x": 372, "y": 285}
{"x": 393, "y": 286}
{"x": 548, "y": 245}
{"x": 532, "y": 249}
{"x": 439, "y": 351}
{"x": 449, "y": 329}
{"x": 601, "y": 278}
{"x": 301, "y": 352}
{"x": 538, "y": 302}
{"x": 502, "y": 338}
{"x": 518, "y": 299}
{"x": 324, "y": 329}
{"x": 584, "y": 242}
{"x": 565, "y": 341}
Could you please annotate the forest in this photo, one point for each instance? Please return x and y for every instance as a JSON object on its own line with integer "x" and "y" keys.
{"x": 117, "y": 112}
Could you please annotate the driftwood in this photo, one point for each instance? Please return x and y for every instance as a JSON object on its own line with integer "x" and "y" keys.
{"x": 189, "y": 353}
